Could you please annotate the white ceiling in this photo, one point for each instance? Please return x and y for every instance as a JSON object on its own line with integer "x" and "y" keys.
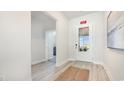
{"x": 74, "y": 14}
{"x": 50, "y": 24}
{"x": 47, "y": 22}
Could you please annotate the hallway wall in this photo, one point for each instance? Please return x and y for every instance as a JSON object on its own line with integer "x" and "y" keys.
{"x": 37, "y": 40}
{"x": 96, "y": 21}
{"x": 15, "y": 46}
{"x": 113, "y": 58}
{"x": 61, "y": 37}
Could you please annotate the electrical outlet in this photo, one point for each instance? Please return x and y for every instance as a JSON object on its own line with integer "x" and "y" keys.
{"x": 2, "y": 77}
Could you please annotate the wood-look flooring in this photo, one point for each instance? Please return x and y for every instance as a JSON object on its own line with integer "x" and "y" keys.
{"x": 47, "y": 71}
{"x": 74, "y": 74}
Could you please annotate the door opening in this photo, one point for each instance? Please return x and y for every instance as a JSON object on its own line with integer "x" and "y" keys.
{"x": 43, "y": 42}
{"x": 84, "y": 43}
{"x": 50, "y": 41}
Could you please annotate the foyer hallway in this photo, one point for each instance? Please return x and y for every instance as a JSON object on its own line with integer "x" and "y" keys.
{"x": 47, "y": 71}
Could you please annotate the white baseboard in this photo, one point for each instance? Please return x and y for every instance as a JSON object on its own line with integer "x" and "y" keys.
{"x": 64, "y": 62}
{"x": 106, "y": 69}
{"x": 39, "y": 61}
{"x": 50, "y": 58}
{"x": 61, "y": 63}
{"x": 108, "y": 72}
{"x": 71, "y": 59}
{"x": 98, "y": 62}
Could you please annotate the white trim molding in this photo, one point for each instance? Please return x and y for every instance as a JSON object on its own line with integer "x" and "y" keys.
{"x": 50, "y": 58}
{"x": 71, "y": 59}
{"x": 66, "y": 61}
{"x": 108, "y": 72}
{"x": 38, "y": 61}
{"x": 61, "y": 63}
{"x": 106, "y": 69}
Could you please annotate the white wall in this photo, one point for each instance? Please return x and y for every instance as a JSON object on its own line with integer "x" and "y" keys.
{"x": 15, "y": 45}
{"x": 37, "y": 40}
{"x": 50, "y": 42}
{"x": 96, "y": 20}
{"x": 114, "y": 59}
{"x": 61, "y": 37}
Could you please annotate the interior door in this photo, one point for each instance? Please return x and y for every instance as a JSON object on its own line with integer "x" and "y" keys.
{"x": 84, "y": 43}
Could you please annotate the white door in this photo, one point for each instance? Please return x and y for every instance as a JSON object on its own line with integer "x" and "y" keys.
{"x": 50, "y": 42}
{"x": 83, "y": 45}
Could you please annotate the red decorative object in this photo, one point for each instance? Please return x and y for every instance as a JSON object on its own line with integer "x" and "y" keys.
{"x": 83, "y": 22}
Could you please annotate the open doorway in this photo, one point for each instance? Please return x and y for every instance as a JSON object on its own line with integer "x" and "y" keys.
{"x": 43, "y": 44}
{"x": 50, "y": 41}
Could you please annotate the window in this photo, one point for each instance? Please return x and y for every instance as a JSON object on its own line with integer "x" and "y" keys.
{"x": 84, "y": 39}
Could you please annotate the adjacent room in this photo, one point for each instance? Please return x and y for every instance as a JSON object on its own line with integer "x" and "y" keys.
{"x": 43, "y": 44}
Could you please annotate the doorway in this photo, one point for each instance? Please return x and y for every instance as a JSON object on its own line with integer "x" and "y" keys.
{"x": 43, "y": 43}
{"x": 50, "y": 43}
